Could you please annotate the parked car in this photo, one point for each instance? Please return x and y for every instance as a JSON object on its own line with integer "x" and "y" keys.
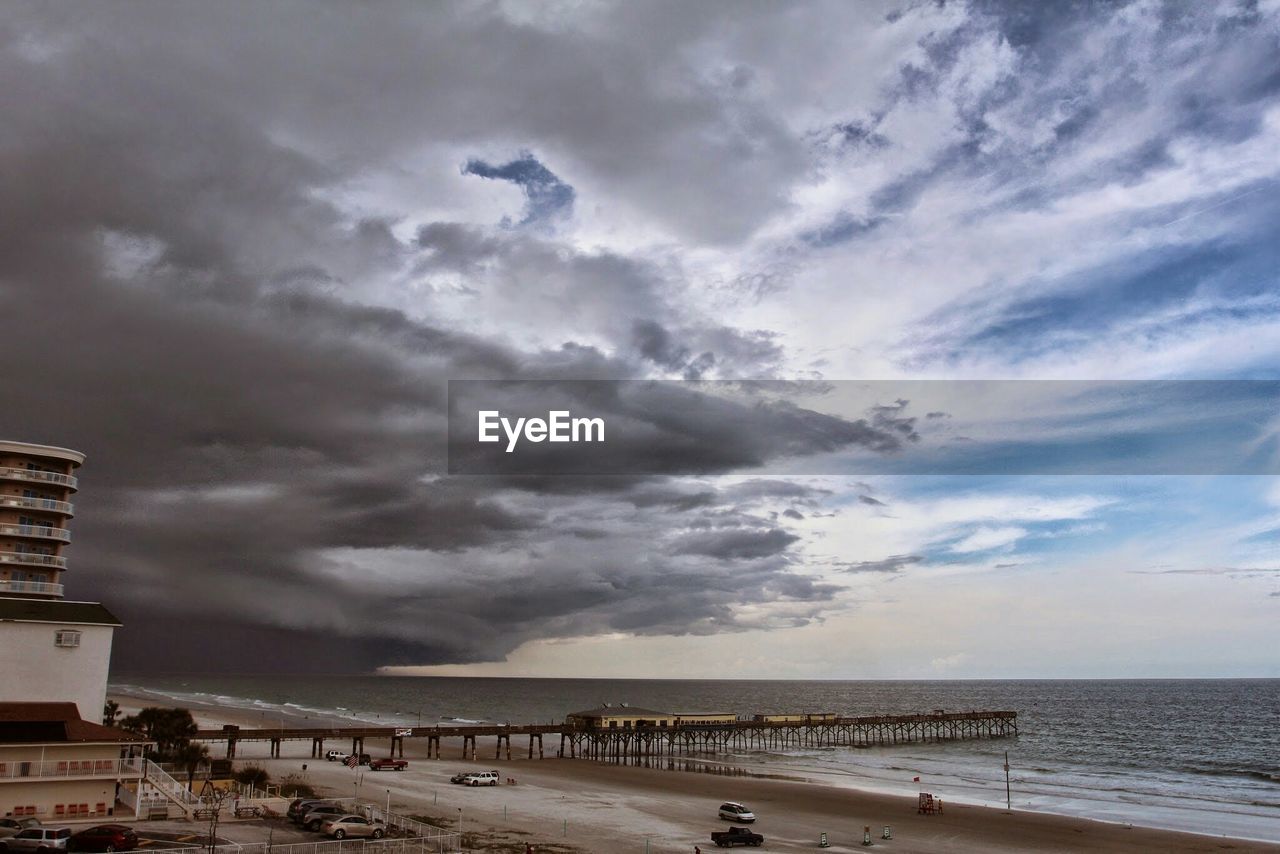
{"x": 301, "y": 806}
{"x": 15, "y": 824}
{"x": 461, "y": 776}
{"x": 319, "y": 814}
{"x": 355, "y": 826}
{"x": 385, "y": 764}
{"x": 40, "y": 839}
{"x": 104, "y": 837}
{"x": 736, "y": 836}
{"x": 337, "y": 755}
{"x": 11, "y": 826}
{"x": 482, "y": 778}
{"x": 732, "y": 811}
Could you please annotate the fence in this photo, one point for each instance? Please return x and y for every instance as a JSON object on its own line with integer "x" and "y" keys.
{"x": 441, "y": 842}
{"x": 11, "y": 768}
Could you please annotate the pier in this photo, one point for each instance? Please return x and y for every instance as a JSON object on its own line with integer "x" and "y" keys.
{"x": 644, "y": 740}
{"x": 640, "y": 743}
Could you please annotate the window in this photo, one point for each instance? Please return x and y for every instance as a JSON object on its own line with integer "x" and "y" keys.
{"x": 69, "y": 638}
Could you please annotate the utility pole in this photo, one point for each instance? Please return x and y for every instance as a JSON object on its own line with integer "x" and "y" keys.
{"x": 1008, "y": 796}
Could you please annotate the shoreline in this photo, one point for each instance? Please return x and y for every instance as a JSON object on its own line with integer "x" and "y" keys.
{"x": 657, "y": 801}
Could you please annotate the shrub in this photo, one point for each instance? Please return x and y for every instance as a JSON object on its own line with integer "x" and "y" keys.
{"x": 292, "y": 787}
{"x": 252, "y": 775}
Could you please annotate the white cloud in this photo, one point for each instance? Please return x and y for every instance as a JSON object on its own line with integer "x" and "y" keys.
{"x": 984, "y": 539}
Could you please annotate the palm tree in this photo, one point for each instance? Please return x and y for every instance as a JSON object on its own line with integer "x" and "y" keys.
{"x": 169, "y": 729}
{"x": 189, "y": 756}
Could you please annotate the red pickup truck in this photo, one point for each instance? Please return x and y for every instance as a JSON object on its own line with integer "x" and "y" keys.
{"x": 393, "y": 764}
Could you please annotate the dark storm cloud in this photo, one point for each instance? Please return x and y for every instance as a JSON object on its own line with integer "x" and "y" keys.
{"x": 198, "y": 301}
{"x": 655, "y": 343}
{"x": 546, "y": 195}
{"x": 736, "y": 544}
{"x": 893, "y": 563}
{"x": 891, "y": 419}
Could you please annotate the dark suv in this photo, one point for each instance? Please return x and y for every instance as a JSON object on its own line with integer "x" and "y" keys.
{"x": 301, "y": 806}
{"x": 320, "y": 813}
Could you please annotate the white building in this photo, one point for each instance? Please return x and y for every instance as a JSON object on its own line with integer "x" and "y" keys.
{"x": 54, "y": 650}
{"x": 53, "y": 765}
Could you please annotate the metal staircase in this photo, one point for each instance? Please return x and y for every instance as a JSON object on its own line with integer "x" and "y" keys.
{"x": 160, "y": 781}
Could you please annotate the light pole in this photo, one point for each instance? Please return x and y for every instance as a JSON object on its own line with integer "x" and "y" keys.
{"x": 460, "y": 837}
{"x": 1008, "y": 796}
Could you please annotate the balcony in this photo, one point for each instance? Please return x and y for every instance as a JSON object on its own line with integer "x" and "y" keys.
{"x": 47, "y": 504}
{"x": 29, "y": 559}
{"x": 32, "y": 588}
{"x": 39, "y": 531}
{"x": 32, "y": 476}
{"x": 11, "y": 769}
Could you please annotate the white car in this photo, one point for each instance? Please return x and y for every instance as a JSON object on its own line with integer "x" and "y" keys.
{"x": 731, "y": 811}
{"x": 482, "y": 778}
{"x": 337, "y": 756}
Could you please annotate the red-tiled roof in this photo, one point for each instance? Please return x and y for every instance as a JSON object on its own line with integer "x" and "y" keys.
{"x": 53, "y": 722}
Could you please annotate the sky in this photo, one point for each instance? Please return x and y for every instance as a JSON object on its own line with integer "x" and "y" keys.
{"x": 245, "y": 247}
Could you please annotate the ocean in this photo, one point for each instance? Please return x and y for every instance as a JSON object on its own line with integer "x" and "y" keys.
{"x": 1194, "y": 755}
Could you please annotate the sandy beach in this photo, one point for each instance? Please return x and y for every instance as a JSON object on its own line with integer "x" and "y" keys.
{"x": 574, "y": 805}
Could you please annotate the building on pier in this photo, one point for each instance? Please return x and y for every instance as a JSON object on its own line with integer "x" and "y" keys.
{"x": 620, "y": 716}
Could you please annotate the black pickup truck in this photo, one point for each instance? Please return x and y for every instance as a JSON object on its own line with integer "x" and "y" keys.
{"x": 736, "y": 836}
